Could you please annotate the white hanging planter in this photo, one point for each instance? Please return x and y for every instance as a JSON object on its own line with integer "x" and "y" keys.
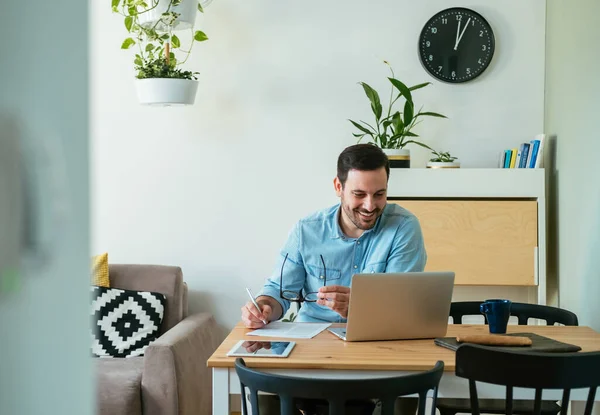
{"x": 187, "y": 10}
{"x": 399, "y": 158}
{"x": 443, "y": 165}
{"x": 166, "y": 91}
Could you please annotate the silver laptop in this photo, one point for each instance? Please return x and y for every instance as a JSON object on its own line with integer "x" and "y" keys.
{"x": 395, "y": 306}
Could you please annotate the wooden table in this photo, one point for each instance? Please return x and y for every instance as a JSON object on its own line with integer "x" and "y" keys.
{"x": 327, "y": 356}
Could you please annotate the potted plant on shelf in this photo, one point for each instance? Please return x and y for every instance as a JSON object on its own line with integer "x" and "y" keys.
{"x": 442, "y": 160}
{"x": 158, "y": 64}
{"x": 392, "y": 130}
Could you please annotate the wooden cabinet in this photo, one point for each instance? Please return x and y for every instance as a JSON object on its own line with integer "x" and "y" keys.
{"x": 484, "y": 242}
{"x": 486, "y": 225}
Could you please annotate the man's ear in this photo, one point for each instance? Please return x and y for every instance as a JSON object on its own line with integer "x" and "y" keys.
{"x": 337, "y": 185}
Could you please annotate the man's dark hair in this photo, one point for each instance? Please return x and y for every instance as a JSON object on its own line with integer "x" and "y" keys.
{"x": 364, "y": 157}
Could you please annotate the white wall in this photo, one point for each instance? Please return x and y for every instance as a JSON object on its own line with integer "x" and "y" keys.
{"x": 216, "y": 187}
{"x": 572, "y": 109}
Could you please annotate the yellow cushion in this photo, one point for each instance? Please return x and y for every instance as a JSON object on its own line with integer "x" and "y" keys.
{"x": 100, "y": 270}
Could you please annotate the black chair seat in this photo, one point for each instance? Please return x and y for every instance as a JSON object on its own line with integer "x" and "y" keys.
{"x": 534, "y": 371}
{"x": 495, "y": 406}
{"x": 523, "y": 312}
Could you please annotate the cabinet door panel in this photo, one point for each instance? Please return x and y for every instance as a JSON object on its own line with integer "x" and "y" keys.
{"x": 484, "y": 242}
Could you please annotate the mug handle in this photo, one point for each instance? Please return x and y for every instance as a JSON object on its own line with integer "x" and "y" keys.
{"x": 484, "y": 308}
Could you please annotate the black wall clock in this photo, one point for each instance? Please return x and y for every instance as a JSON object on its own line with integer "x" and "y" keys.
{"x": 456, "y": 45}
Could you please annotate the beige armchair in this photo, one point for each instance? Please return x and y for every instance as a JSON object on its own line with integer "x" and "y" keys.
{"x": 172, "y": 377}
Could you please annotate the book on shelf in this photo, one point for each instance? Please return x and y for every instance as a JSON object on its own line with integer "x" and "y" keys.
{"x": 513, "y": 158}
{"x": 524, "y": 155}
{"x": 507, "y": 155}
{"x": 527, "y": 156}
{"x": 539, "y": 161}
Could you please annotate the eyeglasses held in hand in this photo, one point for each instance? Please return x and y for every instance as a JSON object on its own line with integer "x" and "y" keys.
{"x": 296, "y": 296}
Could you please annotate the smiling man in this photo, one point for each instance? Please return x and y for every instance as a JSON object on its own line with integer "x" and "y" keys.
{"x": 361, "y": 234}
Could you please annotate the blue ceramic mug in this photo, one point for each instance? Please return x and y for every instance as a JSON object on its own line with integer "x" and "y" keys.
{"x": 497, "y": 313}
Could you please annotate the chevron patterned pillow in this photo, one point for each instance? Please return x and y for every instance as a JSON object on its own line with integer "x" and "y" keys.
{"x": 124, "y": 322}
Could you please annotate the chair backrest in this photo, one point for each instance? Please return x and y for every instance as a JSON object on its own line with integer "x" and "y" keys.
{"x": 459, "y": 309}
{"x": 167, "y": 280}
{"x": 523, "y": 312}
{"x": 338, "y": 391}
{"x": 538, "y": 371}
{"x": 552, "y": 315}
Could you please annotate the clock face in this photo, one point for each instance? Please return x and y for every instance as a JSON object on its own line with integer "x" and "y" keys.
{"x": 456, "y": 45}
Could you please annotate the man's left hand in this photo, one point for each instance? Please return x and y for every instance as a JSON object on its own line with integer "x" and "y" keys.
{"x": 336, "y": 297}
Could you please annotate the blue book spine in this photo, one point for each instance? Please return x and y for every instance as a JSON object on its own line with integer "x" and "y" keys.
{"x": 507, "y": 156}
{"x": 536, "y": 146}
{"x": 525, "y": 153}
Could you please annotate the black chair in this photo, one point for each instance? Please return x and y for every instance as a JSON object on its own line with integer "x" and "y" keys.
{"x": 337, "y": 392}
{"x": 523, "y": 312}
{"x": 537, "y": 371}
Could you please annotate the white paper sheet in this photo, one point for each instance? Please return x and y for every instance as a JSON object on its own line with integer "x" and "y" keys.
{"x": 290, "y": 330}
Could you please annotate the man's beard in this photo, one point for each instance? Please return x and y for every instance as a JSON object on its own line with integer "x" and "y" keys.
{"x": 360, "y": 222}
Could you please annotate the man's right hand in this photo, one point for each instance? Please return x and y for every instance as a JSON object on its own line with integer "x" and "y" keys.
{"x": 252, "y": 317}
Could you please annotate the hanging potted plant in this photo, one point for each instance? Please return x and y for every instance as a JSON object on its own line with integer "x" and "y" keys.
{"x": 443, "y": 160}
{"x": 158, "y": 61}
{"x": 392, "y": 129}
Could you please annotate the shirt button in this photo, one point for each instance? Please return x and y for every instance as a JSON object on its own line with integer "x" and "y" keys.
{"x": 358, "y": 242}
{"x": 321, "y": 277}
{"x": 356, "y": 266}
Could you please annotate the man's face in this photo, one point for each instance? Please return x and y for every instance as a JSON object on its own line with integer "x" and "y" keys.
{"x": 363, "y": 198}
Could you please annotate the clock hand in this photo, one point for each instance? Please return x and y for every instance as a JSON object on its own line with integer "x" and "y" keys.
{"x": 457, "y": 32}
{"x": 461, "y": 35}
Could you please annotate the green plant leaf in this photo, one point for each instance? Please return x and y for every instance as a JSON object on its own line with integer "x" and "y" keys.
{"x": 200, "y": 36}
{"x": 175, "y": 41}
{"x": 397, "y": 122}
{"x": 128, "y": 23}
{"x": 360, "y": 127}
{"x": 150, "y": 47}
{"x": 374, "y": 98}
{"x": 408, "y": 112}
{"x": 419, "y": 86}
{"x": 200, "y": 9}
{"x": 127, "y": 43}
{"x": 410, "y": 134}
{"x": 431, "y": 114}
{"x": 402, "y": 88}
{"x": 417, "y": 143}
{"x": 138, "y": 62}
{"x": 384, "y": 141}
{"x": 115, "y": 3}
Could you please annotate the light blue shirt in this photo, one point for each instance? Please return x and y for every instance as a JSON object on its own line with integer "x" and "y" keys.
{"x": 394, "y": 244}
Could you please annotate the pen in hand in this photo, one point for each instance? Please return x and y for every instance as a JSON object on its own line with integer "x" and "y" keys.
{"x": 254, "y": 302}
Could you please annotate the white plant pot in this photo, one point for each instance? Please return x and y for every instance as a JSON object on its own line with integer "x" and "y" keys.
{"x": 187, "y": 10}
{"x": 166, "y": 91}
{"x": 443, "y": 165}
{"x": 399, "y": 158}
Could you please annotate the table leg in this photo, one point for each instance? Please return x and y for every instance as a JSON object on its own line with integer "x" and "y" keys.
{"x": 220, "y": 391}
